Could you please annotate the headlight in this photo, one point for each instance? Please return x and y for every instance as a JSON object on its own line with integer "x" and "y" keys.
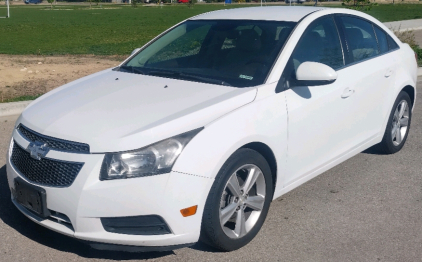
{"x": 155, "y": 159}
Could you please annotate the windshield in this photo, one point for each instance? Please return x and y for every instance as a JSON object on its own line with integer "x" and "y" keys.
{"x": 236, "y": 53}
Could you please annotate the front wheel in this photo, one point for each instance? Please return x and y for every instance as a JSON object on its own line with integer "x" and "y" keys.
{"x": 238, "y": 202}
{"x": 398, "y": 125}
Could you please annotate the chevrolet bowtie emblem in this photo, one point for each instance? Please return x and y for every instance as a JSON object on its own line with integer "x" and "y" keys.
{"x": 38, "y": 150}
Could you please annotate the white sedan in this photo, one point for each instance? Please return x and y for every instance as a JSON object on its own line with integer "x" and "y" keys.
{"x": 194, "y": 135}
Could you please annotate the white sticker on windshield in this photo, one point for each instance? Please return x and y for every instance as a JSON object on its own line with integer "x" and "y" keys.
{"x": 246, "y": 77}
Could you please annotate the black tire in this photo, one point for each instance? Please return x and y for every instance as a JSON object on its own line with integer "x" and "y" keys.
{"x": 387, "y": 146}
{"x": 211, "y": 229}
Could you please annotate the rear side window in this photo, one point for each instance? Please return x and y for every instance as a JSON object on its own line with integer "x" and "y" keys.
{"x": 385, "y": 42}
{"x": 382, "y": 40}
{"x": 360, "y": 38}
{"x": 391, "y": 43}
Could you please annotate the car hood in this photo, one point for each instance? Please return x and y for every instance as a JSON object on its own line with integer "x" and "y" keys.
{"x": 115, "y": 111}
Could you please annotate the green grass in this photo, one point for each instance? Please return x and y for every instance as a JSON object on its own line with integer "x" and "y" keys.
{"x": 397, "y": 12}
{"x": 38, "y": 30}
{"x": 80, "y": 30}
{"x": 21, "y": 98}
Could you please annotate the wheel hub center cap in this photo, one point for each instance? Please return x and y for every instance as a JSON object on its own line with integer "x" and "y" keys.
{"x": 242, "y": 200}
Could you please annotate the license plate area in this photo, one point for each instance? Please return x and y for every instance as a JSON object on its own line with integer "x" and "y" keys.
{"x": 32, "y": 197}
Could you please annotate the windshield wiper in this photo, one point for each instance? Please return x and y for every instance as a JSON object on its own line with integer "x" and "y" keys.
{"x": 132, "y": 69}
{"x": 163, "y": 73}
{"x": 185, "y": 76}
{"x": 205, "y": 79}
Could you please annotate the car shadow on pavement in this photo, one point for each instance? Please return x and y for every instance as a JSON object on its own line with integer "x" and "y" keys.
{"x": 16, "y": 220}
{"x": 373, "y": 151}
{"x": 205, "y": 248}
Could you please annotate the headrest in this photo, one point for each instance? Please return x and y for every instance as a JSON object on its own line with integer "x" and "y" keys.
{"x": 312, "y": 38}
{"x": 311, "y": 42}
{"x": 311, "y": 47}
{"x": 248, "y": 40}
{"x": 354, "y": 34}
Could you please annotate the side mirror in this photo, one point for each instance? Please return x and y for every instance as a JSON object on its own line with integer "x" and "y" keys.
{"x": 315, "y": 74}
{"x": 135, "y": 51}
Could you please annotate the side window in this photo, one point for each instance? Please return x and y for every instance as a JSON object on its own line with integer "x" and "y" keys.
{"x": 319, "y": 43}
{"x": 382, "y": 39}
{"x": 360, "y": 38}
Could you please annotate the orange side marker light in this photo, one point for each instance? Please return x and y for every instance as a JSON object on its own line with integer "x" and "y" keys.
{"x": 190, "y": 211}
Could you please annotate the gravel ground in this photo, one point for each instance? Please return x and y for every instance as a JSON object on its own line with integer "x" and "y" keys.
{"x": 369, "y": 208}
{"x": 33, "y": 75}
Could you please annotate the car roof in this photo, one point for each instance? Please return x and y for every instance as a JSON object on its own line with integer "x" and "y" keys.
{"x": 271, "y": 13}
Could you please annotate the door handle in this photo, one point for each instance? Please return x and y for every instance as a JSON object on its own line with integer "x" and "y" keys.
{"x": 388, "y": 73}
{"x": 347, "y": 92}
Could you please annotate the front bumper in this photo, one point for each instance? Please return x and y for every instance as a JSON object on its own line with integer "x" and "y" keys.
{"x": 88, "y": 199}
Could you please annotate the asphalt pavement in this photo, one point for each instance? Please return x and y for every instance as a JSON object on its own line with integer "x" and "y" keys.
{"x": 368, "y": 208}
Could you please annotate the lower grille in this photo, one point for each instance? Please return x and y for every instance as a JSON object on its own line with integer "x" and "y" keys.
{"x": 56, "y": 217}
{"x": 47, "y": 172}
{"x": 137, "y": 225}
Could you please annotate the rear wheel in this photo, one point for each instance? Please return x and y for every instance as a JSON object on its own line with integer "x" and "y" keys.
{"x": 398, "y": 125}
{"x": 238, "y": 202}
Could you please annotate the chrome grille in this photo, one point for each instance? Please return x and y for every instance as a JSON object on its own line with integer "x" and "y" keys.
{"x": 47, "y": 172}
{"x": 53, "y": 143}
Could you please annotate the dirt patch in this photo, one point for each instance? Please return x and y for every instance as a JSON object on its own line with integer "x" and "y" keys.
{"x": 33, "y": 75}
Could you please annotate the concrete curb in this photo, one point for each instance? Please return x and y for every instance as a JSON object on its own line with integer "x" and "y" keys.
{"x": 405, "y": 29}
{"x": 410, "y": 29}
{"x": 405, "y": 25}
{"x": 13, "y": 108}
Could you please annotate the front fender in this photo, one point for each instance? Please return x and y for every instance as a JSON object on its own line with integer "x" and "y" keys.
{"x": 264, "y": 120}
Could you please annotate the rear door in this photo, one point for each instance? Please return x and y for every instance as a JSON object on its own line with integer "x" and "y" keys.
{"x": 370, "y": 72}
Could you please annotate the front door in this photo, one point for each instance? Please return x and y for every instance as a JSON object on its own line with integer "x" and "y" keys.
{"x": 318, "y": 120}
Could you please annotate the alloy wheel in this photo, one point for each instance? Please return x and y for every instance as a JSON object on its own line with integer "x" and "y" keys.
{"x": 242, "y": 201}
{"x": 400, "y": 122}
